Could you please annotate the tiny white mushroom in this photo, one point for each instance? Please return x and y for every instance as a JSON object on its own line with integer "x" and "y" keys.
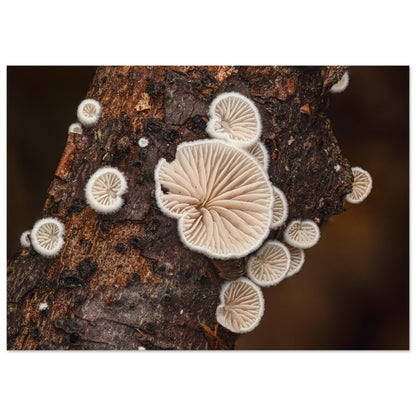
{"x": 337, "y": 168}
{"x": 104, "y": 190}
{"x": 361, "y": 186}
{"x": 221, "y": 196}
{"x": 259, "y": 152}
{"x": 89, "y": 112}
{"x": 143, "y": 142}
{"x": 25, "y": 239}
{"x": 75, "y": 128}
{"x": 297, "y": 258}
{"x": 270, "y": 265}
{"x": 241, "y": 306}
{"x": 342, "y": 84}
{"x": 280, "y": 208}
{"x": 141, "y": 348}
{"x": 47, "y": 236}
{"x": 302, "y": 234}
{"x": 235, "y": 118}
{"x": 43, "y": 306}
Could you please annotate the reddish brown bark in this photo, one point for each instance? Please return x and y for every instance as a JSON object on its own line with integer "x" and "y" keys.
{"x": 125, "y": 280}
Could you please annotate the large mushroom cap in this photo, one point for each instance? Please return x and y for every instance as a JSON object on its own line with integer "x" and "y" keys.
{"x": 302, "y": 234}
{"x": 220, "y": 194}
{"x": 47, "y": 236}
{"x": 104, "y": 190}
{"x": 361, "y": 186}
{"x": 270, "y": 265}
{"x": 280, "y": 208}
{"x": 241, "y": 306}
{"x": 235, "y": 118}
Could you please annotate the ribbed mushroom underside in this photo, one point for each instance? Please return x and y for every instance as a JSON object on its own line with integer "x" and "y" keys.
{"x": 48, "y": 235}
{"x": 106, "y": 188}
{"x": 302, "y": 234}
{"x": 89, "y": 110}
{"x": 235, "y": 118}
{"x": 280, "y": 209}
{"x": 361, "y": 186}
{"x": 297, "y": 258}
{"x": 222, "y": 195}
{"x": 259, "y": 152}
{"x": 270, "y": 264}
{"x": 241, "y": 306}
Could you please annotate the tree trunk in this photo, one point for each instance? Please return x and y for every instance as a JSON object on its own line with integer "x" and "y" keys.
{"x": 125, "y": 280}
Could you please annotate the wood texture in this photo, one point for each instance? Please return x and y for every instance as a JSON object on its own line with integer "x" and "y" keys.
{"x": 125, "y": 280}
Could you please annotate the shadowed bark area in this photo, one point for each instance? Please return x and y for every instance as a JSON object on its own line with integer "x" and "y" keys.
{"x": 125, "y": 280}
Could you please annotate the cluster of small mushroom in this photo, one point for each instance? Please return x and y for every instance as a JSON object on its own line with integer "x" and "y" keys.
{"x": 103, "y": 193}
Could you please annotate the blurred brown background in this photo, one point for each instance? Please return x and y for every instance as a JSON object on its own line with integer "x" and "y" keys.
{"x": 353, "y": 291}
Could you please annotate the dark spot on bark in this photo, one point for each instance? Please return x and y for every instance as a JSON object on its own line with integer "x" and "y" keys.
{"x": 86, "y": 268}
{"x": 162, "y": 268}
{"x": 153, "y": 125}
{"x": 153, "y": 227}
{"x": 70, "y": 279}
{"x": 197, "y": 124}
{"x": 136, "y": 242}
{"x": 149, "y": 327}
{"x": 35, "y": 333}
{"x": 138, "y": 164}
{"x": 104, "y": 79}
{"x": 123, "y": 145}
{"x": 44, "y": 312}
{"x": 207, "y": 79}
{"x": 105, "y": 228}
{"x": 147, "y": 344}
{"x": 50, "y": 298}
{"x": 269, "y": 146}
{"x": 142, "y": 156}
{"x": 185, "y": 276}
{"x": 154, "y": 89}
{"x": 171, "y": 135}
{"x": 136, "y": 277}
{"x": 71, "y": 339}
{"x": 196, "y": 84}
{"x": 77, "y": 207}
{"x": 120, "y": 248}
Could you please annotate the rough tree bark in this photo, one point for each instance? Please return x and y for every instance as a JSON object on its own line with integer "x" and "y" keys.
{"x": 125, "y": 280}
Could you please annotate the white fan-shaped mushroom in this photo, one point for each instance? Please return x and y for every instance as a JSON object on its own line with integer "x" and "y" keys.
{"x": 75, "y": 128}
{"x": 47, "y": 236}
{"x": 270, "y": 265}
{"x": 361, "y": 186}
{"x": 302, "y": 234}
{"x": 25, "y": 239}
{"x": 297, "y": 258}
{"x": 89, "y": 112}
{"x": 342, "y": 84}
{"x": 241, "y": 306}
{"x": 259, "y": 152}
{"x": 235, "y": 118}
{"x": 104, "y": 190}
{"x": 280, "y": 208}
{"x": 220, "y": 194}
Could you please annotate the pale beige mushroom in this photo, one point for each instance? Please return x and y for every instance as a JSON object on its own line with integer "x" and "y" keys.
{"x": 221, "y": 196}
{"x": 361, "y": 186}
{"x": 270, "y": 265}
{"x": 235, "y": 118}
{"x": 342, "y": 84}
{"x": 260, "y": 153}
{"x": 302, "y": 234}
{"x": 241, "y": 306}
{"x": 280, "y": 208}
{"x": 297, "y": 258}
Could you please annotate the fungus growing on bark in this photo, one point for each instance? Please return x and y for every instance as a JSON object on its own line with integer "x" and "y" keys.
{"x": 302, "y": 234}
{"x": 89, "y": 112}
{"x": 260, "y": 153}
{"x": 342, "y": 84}
{"x": 43, "y": 306}
{"x": 104, "y": 190}
{"x": 270, "y": 265}
{"x": 297, "y": 258}
{"x": 361, "y": 186}
{"x": 47, "y": 236}
{"x": 25, "y": 239}
{"x": 235, "y": 118}
{"x": 241, "y": 306}
{"x": 75, "y": 128}
{"x": 280, "y": 208}
{"x": 221, "y": 196}
{"x": 143, "y": 142}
